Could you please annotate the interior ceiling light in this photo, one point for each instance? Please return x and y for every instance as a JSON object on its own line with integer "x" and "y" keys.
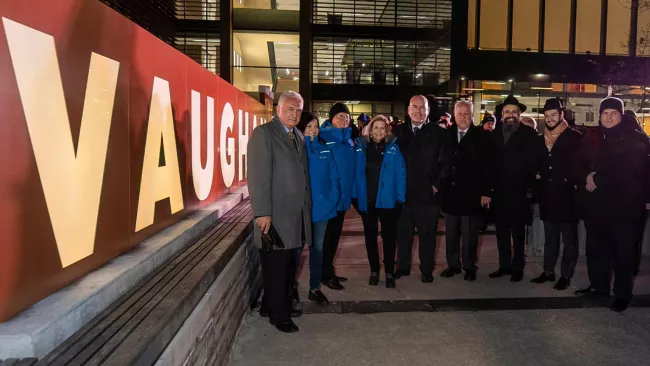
{"x": 473, "y": 89}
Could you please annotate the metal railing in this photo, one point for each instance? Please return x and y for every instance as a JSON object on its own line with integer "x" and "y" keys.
{"x": 202, "y": 48}
{"x": 156, "y": 16}
{"x": 198, "y": 9}
{"x": 387, "y": 13}
{"x": 379, "y": 62}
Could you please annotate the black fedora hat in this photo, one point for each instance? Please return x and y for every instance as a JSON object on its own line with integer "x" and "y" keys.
{"x": 510, "y": 99}
{"x": 554, "y": 103}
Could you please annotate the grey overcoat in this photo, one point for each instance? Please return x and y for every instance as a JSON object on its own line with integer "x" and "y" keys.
{"x": 278, "y": 183}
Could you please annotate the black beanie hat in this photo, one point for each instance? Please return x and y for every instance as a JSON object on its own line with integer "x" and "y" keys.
{"x": 338, "y": 108}
{"x": 305, "y": 118}
{"x": 611, "y": 103}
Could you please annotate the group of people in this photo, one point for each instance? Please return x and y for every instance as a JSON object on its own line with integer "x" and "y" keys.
{"x": 303, "y": 178}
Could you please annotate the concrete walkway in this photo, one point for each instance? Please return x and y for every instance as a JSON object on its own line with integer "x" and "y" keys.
{"x": 524, "y": 337}
{"x": 451, "y": 321}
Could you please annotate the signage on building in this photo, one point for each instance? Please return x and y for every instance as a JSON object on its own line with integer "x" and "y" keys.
{"x": 107, "y": 136}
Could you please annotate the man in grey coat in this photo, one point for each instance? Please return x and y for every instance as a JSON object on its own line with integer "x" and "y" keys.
{"x": 278, "y": 183}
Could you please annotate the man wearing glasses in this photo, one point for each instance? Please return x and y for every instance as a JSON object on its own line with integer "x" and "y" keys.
{"x": 427, "y": 154}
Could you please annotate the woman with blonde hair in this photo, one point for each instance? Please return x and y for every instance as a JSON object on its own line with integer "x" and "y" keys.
{"x": 380, "y": 191}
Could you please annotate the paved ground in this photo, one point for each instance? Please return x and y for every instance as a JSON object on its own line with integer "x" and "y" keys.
{"x": 524, "y": 337}
{"x": 556, "y": 328}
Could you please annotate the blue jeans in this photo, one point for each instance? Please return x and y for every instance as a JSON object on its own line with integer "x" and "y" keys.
{"x": 315, "y": 254}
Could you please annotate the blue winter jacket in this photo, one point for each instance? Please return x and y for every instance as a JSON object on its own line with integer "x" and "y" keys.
{"x": 338, "y": 140}
{"x": 392, "y": 177}
{"x": 324, "y": 177}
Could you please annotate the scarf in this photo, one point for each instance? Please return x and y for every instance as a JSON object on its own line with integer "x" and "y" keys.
{"x": 551, "y": 136}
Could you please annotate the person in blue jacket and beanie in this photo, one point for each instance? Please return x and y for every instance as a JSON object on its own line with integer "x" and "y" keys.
{"x": 325, "y": 193}
{"x": 336, "y": 132}
{"x": 380, "y": 191}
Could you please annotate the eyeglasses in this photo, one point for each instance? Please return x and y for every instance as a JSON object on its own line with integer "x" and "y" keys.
{"x": 343, "y": 117}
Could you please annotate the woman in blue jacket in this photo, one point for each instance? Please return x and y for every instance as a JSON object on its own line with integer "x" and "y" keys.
{"x": 325, "y": 194}
{"x": 380, "y": 191}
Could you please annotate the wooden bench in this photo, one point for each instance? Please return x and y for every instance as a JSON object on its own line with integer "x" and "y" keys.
{"x": 137, "y": 327}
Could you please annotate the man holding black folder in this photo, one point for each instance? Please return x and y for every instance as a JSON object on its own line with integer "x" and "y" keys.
{"x": 278, "y": 183}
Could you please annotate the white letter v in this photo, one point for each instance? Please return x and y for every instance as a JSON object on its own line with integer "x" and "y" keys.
{"x": 72, "y": 183}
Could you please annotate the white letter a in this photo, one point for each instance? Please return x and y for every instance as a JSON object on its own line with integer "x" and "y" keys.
{"x": 72, "y": 183}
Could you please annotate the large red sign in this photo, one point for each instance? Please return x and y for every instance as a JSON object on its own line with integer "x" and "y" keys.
{"x": 107, "y": 136}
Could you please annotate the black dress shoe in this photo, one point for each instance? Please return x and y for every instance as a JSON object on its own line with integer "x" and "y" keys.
{"x": 341, "y": 279}
{"x": 400, "y": 274}
{"x": 544, "y": 277}
{"x": 562, "y": 284}
{"x": 295, "y": 313}
{"x": 426, "y": 278}
{"x": 390, "y": 281}
{"x": 334, "y": 284}
{"x": 374, "y": 279}
{"x": 517, "y": 276}
{"x": 450, "y": 272}
{"x": 287, "y": 327}
{"x": 470, "y": 275}
{"x": 590, "y": 292}
{"x": 318, "y": 297}
{"x": 500, "y": 273}
{"x": 619, "y": 305}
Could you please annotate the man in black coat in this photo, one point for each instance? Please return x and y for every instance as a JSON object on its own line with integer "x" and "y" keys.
{"x": 426, "y": 152}
{"x": 557, "y": 148}
{"x": 512, "y": 176}
{"x": 463, "y": 191}
{"x": 611, "y": 197}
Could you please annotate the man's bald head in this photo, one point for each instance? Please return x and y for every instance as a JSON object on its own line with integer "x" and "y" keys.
{"x": 418, "y": 109}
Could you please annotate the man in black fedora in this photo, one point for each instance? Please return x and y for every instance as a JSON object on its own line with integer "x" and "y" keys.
{"x": 511, "y": 178}
{"x": 557, "y": 148}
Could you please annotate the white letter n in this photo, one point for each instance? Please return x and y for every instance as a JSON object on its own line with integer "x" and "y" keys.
{"x": 72, "y": 183}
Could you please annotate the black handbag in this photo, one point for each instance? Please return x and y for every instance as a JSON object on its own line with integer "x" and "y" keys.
{"x": 271, "y": 240}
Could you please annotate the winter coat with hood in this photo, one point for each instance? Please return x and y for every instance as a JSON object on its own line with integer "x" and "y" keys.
{"x": 324, "y": 179}
{"x": 619, "y": 158}
{"x": 391, "y": 188}
{"x": 340, "y": 143}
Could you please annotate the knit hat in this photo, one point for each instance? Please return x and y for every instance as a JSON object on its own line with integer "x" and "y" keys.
{"x": 363, "y": 117}
{"x": 554, "y": 103}
{"x": 305, "y": 118}
{"x": 611, "y": 103}
{"x": 338, "y": 108}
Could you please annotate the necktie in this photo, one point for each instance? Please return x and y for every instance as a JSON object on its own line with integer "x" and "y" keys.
{"x": 415, "y": 131}
{"x": 460, "y": 135}
{"x": 292, "y": 136}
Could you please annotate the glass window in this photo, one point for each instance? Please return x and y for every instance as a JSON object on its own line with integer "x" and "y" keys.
{"x": 494, "y": 24}
{"x": 556, "y": 26}
{"x": 266, "y": 59}
{"x": 471, "y": 24}
{"x": 266, "y": 4}
{"x": 618, "y": 27}
{"x": 203, "y": 48}
{"x": 379, "y": 62}
{"x": 525, "y": 25}
{"x": 643, "y": 33}
{"x": 588, "y": 26}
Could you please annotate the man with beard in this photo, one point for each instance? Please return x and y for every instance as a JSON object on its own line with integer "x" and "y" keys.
{"x": 426, "y": 151}
{"x": 512, "y": 176}
{"x": 557, "y": 148}
{"x": 611, "y": 195}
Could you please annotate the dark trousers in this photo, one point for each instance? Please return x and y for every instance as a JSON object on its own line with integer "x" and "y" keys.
{"x": 425, "y": 219}
{"x": 331, "y": 244}
{"x": 507, "y": 233}
{"x": 612, "y": 245}
{"x": 388, "y": 218}
{"x": 278, "y": 273}
{"x": 569, "y": 232}
{"x": 469, "y": 225}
